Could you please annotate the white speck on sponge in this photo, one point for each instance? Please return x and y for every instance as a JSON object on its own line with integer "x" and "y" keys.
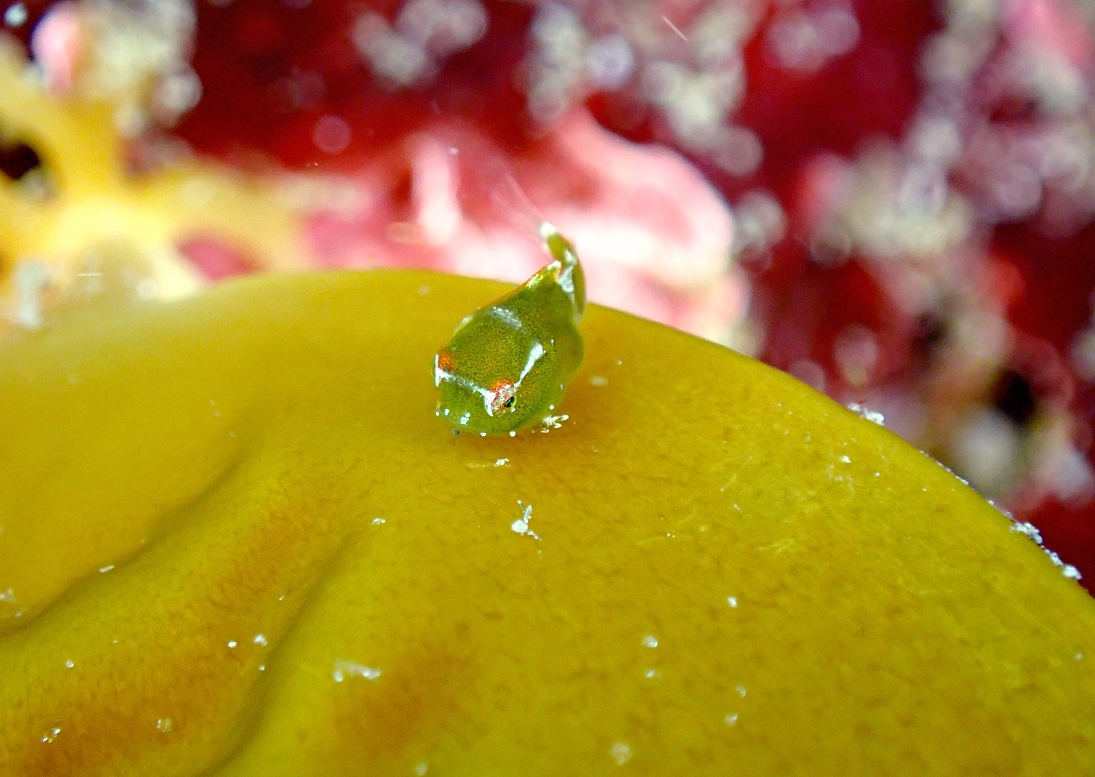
{"x": 871, "y": 415}
{"x": 344, "y": 669}
{"x": 621, "y": 753}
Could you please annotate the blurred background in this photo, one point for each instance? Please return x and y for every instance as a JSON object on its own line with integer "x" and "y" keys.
{"x": 892, "y": 200}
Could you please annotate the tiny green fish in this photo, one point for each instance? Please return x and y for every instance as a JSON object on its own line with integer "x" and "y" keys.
{"x": 507, "y": 363}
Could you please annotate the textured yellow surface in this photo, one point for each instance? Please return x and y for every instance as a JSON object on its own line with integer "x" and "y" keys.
{"x": 236, "y": 541}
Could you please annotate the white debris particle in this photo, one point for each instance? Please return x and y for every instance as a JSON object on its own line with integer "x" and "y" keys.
{"x": 501, "y": 462}
{"x": 871, "y": 415}
{"x": 552, "y": 422}
{"x": 520, "y": 526}
{"x": 260, "y": 639}
{"x": 232, "y": 643}
{"x": 731, "y": 719}
{"x": 378, "y": 521}
{"x": 69, "y": 664}
{"x": 741, "y": 691}
{"x": 652, "y": 674}
{"x": 50, "y": 735}
{"x": 1071, "y": 572}
{"x": 621, "y": 753}
{"x": 732, "y": 601}
{"x": 107, "y": 568}
{"x": 1028, "y": 529}
{"x": 163, "y": 725}
{"x": 846, "y": 459}
{"x": 7, "y": 596}
{"x": 1079, "y": 656}
{"x": 650, "y": 641}
{"x": 420, "y": 768}
{"x": 598, "y": 381}
{"x": 262, "y": 667}
{"x": 344, "y": 669}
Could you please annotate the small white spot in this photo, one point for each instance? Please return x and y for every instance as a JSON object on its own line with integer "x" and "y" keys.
{"x": 741, "y": 691}
{"x": 1028, "y": 529}
{"x": 15, "y": 15}
{"x": 420, "y": 768}
{"x": 501, "y": 462}
{"x": 163, "y": 725}
{"x": 107, "y": 568}
{"x": 846, "y": 459}
{"x": 331, "y": 134}
{"x": 731, "y": 719}
{"x": 521, "y": 525}
{"x": 260, "y": 639}
{"x": 621, "y": 753}
{"x": 1071, "y": 572}
{"x": 69, "y": 664}
{"x": 871, "y": 415}
{"x": 378, "y": 521}
{"x": 423, "y": 290}
{"x": 650, "y": 641}
{"x": 262, "y": 667}
{"x": 1079, "y": 656}
{"x": 878, "y": 474}
{"x": 344, "y": 669}
{"x": 511, "y": 434}
{"x": 232, "y": 643}
{"x": 553, "y": 422}
{"x": 598, "y": 380}
{"x": 732, "y": 601}
{"x": 652, "y": 674}
{"x": 50, "y": 735}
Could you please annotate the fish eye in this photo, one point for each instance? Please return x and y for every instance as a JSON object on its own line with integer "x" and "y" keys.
{"x": 509, "y": 402}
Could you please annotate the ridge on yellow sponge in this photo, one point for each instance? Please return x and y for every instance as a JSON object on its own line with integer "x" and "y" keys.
{"x": 91, "y": 217}
{"x": 236, "y": 541}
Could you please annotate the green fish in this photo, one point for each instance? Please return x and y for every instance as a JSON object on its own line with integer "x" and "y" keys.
{"x": 507, "y": 363}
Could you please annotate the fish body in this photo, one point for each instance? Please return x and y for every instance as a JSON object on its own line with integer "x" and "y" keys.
{"x": 507, "y": 363}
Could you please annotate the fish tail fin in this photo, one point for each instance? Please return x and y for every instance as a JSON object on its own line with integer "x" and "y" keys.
{"x": 570, "y": 276}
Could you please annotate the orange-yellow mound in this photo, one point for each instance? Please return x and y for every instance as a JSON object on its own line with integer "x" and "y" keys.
{"x": 236, "y": 541}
